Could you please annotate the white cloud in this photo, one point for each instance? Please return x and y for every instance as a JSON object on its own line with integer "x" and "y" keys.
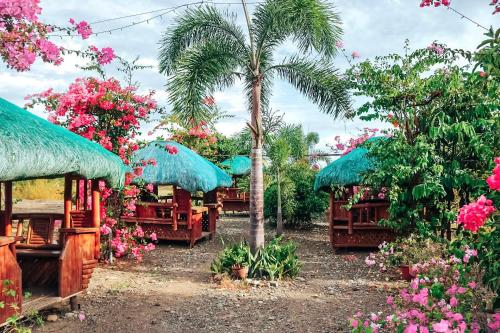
{"x": 370, "y": 27}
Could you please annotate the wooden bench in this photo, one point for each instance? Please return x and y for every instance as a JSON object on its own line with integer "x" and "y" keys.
{"x": 233, "y": 199}
{"x": 358, "y": 226}
{"x": 173, "y": 219}
{"x": 39, "y": 239}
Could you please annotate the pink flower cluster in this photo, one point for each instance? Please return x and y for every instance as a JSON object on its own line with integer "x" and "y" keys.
{"x": 104, "y": 55}
{"x": 438, "y": 49}
{"x": 133, "y": 242}
{"x": 494, "y": 180}
{"x": 22, "y": 37}
{"x": 99, "y": 110}
{"x": 475, "y": 214}
{"x": 436, "y": 3}
{"x": 82, "y": 28}
{"x": 440, "y": 299}
{"x": 171, "y": 149}
{"x": 352, "y": 143}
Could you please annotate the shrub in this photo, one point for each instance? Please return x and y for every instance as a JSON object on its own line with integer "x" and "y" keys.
{"x": 444, "y": 297}
{"x": 276, "y": 260}
{"x": 408, "y": 250}
{"x": 301, "y": 204}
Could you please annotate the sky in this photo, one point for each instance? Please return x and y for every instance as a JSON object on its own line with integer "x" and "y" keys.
{"x": 371, "y": 27}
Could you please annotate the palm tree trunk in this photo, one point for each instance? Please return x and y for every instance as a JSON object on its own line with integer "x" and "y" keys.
{"x": 279, "y": 214}
{"x": 256, "y": 176}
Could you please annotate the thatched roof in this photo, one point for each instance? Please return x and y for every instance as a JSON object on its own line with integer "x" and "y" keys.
{"x": 185, "y": 169}
{"x": 238, "y": 165}
{"x": 32, "y": 147}
{"x": 344, "y": 171}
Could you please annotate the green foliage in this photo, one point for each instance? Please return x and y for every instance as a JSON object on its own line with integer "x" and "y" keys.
{"x": 276, "y": 260}
{"x": 301, "y": 204}
{"x": 445, "y": 137}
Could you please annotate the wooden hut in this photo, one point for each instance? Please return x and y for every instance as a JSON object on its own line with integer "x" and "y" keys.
{"x": 175, "y": 216}
{"x": 51, "y": 265}
{"x": 358, "y": 226}
{"x": 233, "y": 198}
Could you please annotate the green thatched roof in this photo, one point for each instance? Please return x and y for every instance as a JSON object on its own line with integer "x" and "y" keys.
{"x": 344, "y": 171}
{"x": 238, "y": 165}
{"x": 185, "y": 169}
{"x": 32, "y": 147}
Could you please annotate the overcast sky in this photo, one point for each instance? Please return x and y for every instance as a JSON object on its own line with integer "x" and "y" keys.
{"x": 371, "y": 28}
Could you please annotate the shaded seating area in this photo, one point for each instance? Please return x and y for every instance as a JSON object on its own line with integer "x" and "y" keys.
{"x": 357, "y": 226}
{"x": 49, "y": 255}
{"x": 234, "y": 198}
{"x": 178, "y": 216}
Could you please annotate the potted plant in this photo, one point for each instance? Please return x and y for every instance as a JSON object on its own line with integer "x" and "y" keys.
{"x": 406, "y": 252}
{"x": 239, "y": 271}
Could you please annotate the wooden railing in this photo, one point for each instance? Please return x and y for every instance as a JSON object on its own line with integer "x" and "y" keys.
{"x": 9, "y": 271}
{"x": 77, "y": 260}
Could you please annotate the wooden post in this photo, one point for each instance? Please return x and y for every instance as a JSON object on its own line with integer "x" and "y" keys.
{"x": 96, "y": 215}
{"x": 68, "y": 184}
{"x": 8, "y": 210}
{"x": 85, "y": 195}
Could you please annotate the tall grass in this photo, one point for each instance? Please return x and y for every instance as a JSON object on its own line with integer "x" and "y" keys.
{"x": 39, "y": 189}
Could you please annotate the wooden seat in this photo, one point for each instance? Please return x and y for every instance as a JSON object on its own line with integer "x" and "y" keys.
{"x": 184, "y": 206}
{"x": 39, "y": 253}
{"x": 40, "y": 235}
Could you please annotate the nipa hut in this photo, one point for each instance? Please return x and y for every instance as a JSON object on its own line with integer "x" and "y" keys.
{"x": 357, "y": 226}
{"x": 174, "y": 216}
{"x": 35, "y": 257}
{"x": 233, "y": 198}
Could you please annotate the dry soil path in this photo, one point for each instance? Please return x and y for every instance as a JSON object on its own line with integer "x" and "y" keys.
{"x": 172, "y": 291}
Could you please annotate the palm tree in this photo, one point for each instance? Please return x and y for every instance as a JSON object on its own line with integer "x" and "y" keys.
{"x": 206, "y": 50}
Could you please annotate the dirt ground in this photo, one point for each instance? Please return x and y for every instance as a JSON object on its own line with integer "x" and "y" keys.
{"x": 172, "y": 291}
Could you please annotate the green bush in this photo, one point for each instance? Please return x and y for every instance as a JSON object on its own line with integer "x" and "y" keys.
{"x": 301, "y": 204}
{"x": 276, "y": 260}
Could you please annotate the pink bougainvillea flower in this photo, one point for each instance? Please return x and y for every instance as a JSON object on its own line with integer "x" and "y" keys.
{"x": 171, "y": 149}
{"x": 441, "y": 327}
{"x": 494, "y": 180}
{"x": 149, "y": 187}
{"x": 153, "y": 236}
{"x": 82, "y": 28}
{"x": 475, "y": 214}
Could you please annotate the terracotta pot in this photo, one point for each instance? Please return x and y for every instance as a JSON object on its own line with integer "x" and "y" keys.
{"x": 145, "y": 211}
{"x": 406, "y": 272}
{"x": 240, "y": 272}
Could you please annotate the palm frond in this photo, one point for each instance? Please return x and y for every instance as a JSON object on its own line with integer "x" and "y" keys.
{"x": 313, "y": 25}
{"x": 200, "y": 70}
{"x": 317, "y": 80}
{"x": 198, "y": 26}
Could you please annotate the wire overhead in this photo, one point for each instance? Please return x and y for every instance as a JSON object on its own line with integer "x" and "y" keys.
{"x": 162, "y": 11}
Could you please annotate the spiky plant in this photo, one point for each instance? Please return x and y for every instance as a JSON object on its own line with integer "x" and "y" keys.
{"x": 206, "y": 50}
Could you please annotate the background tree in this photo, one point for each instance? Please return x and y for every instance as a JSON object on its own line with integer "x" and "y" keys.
{"x": 289, "y": 197}
{"x": 205, "y": 50}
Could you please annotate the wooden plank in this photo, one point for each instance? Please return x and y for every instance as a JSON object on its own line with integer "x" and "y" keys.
{"x": 9, "y": 270}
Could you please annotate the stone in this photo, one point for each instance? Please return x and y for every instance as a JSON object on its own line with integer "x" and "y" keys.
{"x": 70, "y": 315}
{"x": 52, "y": 317}
{"x": 273, "y": 284}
